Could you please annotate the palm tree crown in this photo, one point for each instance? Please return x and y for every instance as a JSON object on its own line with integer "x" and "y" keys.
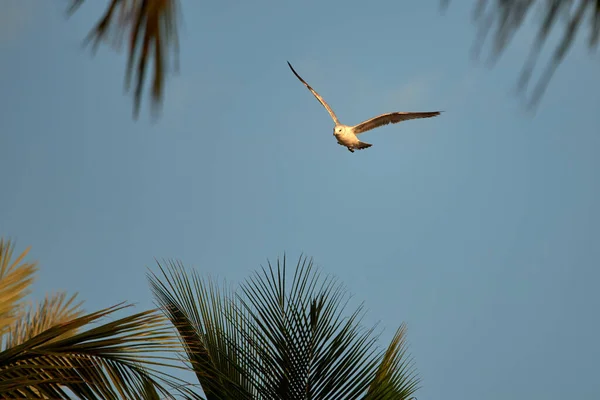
{"x": 280, "y": 337}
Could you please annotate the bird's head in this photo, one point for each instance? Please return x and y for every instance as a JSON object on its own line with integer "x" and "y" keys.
{"x": 338, "y": 130}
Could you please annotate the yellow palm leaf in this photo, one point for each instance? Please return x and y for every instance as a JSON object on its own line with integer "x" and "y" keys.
{"x": 15, "y": 280}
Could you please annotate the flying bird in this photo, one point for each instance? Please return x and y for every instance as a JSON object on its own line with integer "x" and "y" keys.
{"x": 347, "y": 135}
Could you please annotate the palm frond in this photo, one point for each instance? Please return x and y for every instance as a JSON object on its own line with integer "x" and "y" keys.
{"x": 395, "y": 378}
{"x": 506, "y": 17}
{"x": 197, "y": 309}
{"x": 113, "y": 360}
{"x": 54, "y": 309}
{"x": 15, "y": 280}
{"x": 306, "y": 345}
{"x": 150, "y": 27}
{"x": 278, "y": 336}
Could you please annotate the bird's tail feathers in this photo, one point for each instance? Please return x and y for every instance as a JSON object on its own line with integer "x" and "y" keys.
{"x": 363, "y": 145}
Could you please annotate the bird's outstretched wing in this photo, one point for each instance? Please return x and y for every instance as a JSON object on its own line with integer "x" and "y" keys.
{"x": 393, "y": 118}
{"x": 323, "y": 102}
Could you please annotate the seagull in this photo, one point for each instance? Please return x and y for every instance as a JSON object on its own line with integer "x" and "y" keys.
{"x": 346, "y": 135}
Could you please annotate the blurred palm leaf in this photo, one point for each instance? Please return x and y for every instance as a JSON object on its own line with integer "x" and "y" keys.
{"x": 43, "y": 354}
{"x": 150, "y": 28}
{"x": 507, "y": 16}
{"x": 280, "y": 338}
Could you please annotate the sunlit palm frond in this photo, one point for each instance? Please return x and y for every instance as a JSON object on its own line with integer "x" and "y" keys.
{"x": 277, "y": 337}
{"x": 15, "y": 278}
{"x": 53, "y": 310}
{"x": 395, "y": 378}
{"x": 151, "y": 30}
{"x": 114, "y": 360}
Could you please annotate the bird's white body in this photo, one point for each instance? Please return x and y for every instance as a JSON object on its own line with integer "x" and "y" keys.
{"x": 347, "y": 135}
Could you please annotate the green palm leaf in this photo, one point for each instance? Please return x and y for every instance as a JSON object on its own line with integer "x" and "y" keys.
{"x": 51, "y": 350}
{"x": 113, "y": 360}
{"x": 307, "y": 348}
{"x": 280, "y": 337}
{"x": 197, "y": 308}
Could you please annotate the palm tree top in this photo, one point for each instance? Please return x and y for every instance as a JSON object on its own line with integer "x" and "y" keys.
{"x": 281, "y": 335}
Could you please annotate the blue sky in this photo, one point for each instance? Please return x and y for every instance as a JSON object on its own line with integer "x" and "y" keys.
{"x": 479, "y": 228}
